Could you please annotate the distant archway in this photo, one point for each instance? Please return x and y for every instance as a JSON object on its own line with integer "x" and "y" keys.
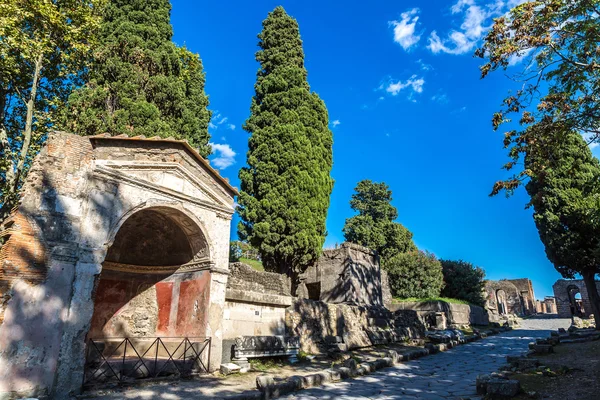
{"x": 138, "y": 292}
{"x": 575, "y": 301}
{"x": 501, "y": 301}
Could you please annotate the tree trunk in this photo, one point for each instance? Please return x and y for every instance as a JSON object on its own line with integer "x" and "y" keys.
{"x": 590, "y": 285}
{"x": 28, "y": 124}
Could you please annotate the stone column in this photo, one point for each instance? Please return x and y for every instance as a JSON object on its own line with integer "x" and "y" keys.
{"x": 214, "y": 328}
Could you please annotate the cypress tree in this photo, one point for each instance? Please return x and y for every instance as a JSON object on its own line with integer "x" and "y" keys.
{"x": 565, "y": 195}
{"x": 140, "y": 82}
{"x": 286, "y": 186}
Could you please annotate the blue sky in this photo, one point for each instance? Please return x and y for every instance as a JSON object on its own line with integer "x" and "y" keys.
{"x": 406, "y": 106}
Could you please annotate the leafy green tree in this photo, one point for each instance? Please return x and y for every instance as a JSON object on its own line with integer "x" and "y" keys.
{"x": 286, "y": 187}
{"x": 44, "y": 46}
{"x": 559, "y": 79}
{"x": 565, "y": 196}
{"x": 140, "y": 82}
{"x": 415, "y": 274}
{"x": 463, "y": 281}
{"x": 374, "y": 226}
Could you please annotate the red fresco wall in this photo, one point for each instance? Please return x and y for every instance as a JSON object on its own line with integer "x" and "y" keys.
{"x": 193, "y": 305}
{"x": 115, "y": 292}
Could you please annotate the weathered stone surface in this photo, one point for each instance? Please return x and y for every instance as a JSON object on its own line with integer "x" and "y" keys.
{"x": 264, "y": 381}
{"x": 132, "y": 223}
{"x": 456, "y": 314}
{"x": 349, "y": 274}
{"x": 229, "y": 368}
{"x": 566, "y": 304}
{"x": 265, "y": 346}
{"x": 502, "y": 388}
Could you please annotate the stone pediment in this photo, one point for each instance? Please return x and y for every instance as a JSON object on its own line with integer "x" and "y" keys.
{"x": 167, "y": 177}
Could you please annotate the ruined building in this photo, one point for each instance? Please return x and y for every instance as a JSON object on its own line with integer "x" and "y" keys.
{"x": 349, "y": 274}
{"x": 546, "y": 306}
{"x": 113, "y": 237}
{"x": 510, "y": 297}
{"x": 572, "y": 298}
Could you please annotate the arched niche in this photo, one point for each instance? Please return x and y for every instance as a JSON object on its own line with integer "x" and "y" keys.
{"x": 156, "y": 261}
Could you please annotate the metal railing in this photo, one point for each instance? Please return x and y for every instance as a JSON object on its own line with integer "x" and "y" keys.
{"x": 130, "y": 358}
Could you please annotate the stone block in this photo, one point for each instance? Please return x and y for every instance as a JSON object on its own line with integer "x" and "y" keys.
{"x": 502, "y": 388}
{"x": 481, "y": 384}
{"x": 542, "y": 348}
{"x": 229, "y": 368}
{"x": 264, "y": 381}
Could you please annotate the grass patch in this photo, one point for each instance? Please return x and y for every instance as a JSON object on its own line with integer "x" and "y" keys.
{"x": 267, "y": 364}
{"x": 416, "y": 300}
{"x": 257, "y": 265}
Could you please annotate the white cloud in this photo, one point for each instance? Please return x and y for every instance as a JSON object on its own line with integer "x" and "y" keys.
{"x": 217, "y": 119}
{"x": 440, "y": 98}
{"x": 225, "y": 156}
{"x": 476, "y": 20}
{"x": 335, "y": 122}
{"x": 424, "y": 66}
{"x": 591, "y": 140}
{"x": 414, "y": 84}
{"x": 404, "y": 29}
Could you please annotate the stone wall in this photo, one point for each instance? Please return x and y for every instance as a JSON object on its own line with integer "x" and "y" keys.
{"x": 456, "y": 314}
{"x": 525, "y": 288}
{"x": 255, "y": 302}
{"x": 564, "y": 291}
{"x": 502, "y": 298}
{"x": 79, "y": 193}
{"x": 318, "y": 324}
{"x": 349, "y": 274}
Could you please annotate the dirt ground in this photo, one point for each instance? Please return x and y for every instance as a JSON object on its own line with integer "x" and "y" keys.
{"x": 573, "y": 374}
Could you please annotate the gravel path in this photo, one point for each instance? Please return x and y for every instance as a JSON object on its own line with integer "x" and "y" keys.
{"x": 448, "y": 375}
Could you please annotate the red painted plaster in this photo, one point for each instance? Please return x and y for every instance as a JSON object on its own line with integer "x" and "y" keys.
{"x": 193, "y": 306}
{"x": 164, "y": 295}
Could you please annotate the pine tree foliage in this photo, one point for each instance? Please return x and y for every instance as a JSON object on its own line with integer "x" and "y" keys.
{"x": 286, "y": 186}
{"x": 463, "y": 281}
{"x": 565, "y": 196}
{"x": 141, "y": 83}
{"x": 374, "y": 226}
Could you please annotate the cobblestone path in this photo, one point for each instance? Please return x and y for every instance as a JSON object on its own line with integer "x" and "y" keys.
{"x": 448, "y": 375}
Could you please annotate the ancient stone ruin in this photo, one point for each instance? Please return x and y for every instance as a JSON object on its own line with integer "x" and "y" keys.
{"x": 114, "y": 237}
{"x": 349, "y": 274}
{"x": 509, "y": 297}
{"x": 546, "y": 306}
{"x": 572, "y": 299}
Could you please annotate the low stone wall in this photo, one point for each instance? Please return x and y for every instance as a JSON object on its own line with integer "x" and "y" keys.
{"x": 319, "y": 324}
{"x": 456, "y": 314}
{"x": 255, "y": 302}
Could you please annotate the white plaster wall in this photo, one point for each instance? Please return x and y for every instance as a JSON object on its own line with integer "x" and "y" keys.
{"x": 245, "y": 319}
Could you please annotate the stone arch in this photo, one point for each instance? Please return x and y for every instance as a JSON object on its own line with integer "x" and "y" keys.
{"x": 195, "y": 230}
{"x": 155, "y": 252}
{"x": 501, "y": 301}
{"x": 575, "y": 301}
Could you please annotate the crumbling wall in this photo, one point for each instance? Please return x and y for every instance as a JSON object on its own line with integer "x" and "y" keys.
{"x": 456, "y": 314}
{"x": 511, "y": 293}
{"x": 318, "y": 324}
{"x": 525, "y": 288}
{"x": 563, "y": 299}
{"x": 349, "y": 274}
{"x": 77, "y": 194}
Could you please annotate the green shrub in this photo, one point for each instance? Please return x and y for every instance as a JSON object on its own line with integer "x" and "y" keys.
{"x": 463, "y": 281}
{"x": 415, "y": 274}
